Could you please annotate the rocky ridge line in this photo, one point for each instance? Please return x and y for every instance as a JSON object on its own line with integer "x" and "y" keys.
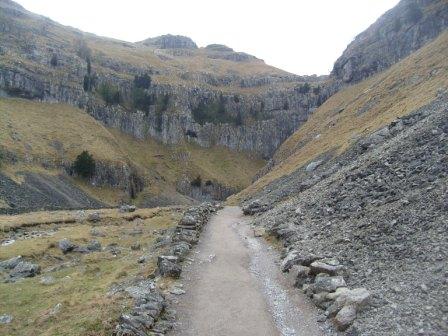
{"x": 395, "y": 35}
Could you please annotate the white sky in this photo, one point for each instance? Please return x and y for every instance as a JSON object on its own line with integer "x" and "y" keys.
{"x": 301, "y": 36}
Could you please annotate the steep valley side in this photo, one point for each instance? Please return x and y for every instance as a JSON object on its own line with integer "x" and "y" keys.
{"x": 359, "y": 193}
{"x": 40, "y": 142}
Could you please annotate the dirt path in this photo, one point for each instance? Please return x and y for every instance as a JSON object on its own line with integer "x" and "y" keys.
{"x": 234, "y": 287}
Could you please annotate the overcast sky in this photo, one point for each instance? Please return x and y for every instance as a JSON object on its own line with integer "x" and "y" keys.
{"x": 301, "y": 36}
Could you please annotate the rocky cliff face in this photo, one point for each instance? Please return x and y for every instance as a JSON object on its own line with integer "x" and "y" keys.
{"x": 171, "y": 42}
{"x": 399, "y": 32}
{"x": 247, "y": 111}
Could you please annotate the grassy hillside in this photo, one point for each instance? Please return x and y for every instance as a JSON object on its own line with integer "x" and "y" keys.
{"x": 31, "y": 31}
{"x": 77, "y": 300}
{"x": 47, "y": 135}
{"x": 361, "y": 109}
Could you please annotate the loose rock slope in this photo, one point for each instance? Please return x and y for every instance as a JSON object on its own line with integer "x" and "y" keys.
{"x": 380, "y": 210}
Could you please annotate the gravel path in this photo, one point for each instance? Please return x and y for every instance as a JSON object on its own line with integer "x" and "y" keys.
{"x": 234, "y": 287}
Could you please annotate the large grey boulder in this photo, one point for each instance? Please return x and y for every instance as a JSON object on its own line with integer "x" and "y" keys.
{"x": 345, "y": 317}
{"x": 301, "y": 275}
{"x": 66, "y": 245}
{"x": 358, "y": 297}
{"x": 24, "y": 269}
{"x": 188, "y": 222}
{"x": 313, "y": 165}
{"x": 94, "y": 217}
{"x": 328, "y": 283}
{"x": 180, "y": 249}
{"x": 94, "y": 246}
{"x": 10, "y": 263}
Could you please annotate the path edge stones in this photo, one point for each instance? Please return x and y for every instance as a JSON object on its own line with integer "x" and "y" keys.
{"x": 149, "y": 314}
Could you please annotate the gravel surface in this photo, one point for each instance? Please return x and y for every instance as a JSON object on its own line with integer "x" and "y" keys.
{"x": 234, "y": 287}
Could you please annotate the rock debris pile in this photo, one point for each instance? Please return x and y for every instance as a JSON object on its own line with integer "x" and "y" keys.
{"x": 374, "y": 217}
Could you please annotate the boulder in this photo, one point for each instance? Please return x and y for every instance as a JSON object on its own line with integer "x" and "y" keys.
{"x": 10, "y": 263}
{"x": 5, "y": 319}
{"x": 301, "y": 275}
{"x": 168, "y": 266}
{"x": 113, "y": 248}
{"x": 188, "y": 222}
{"x": 328, "y": 283}
{"x": 81, "y": 249}
{"x": 127, "y": 208}
{"x": 313, "y": 165}
{"x": 25, "y": 269}
{"x": 94, "y": 246}
{"x": 295, "y": 257}
{"x": 94, "y": 217}
{"x": 337, "y": 293}
{"x": 320, "y": 300}
{"x": 358, "y": 297}
{"x": 96, "y": 233}
{"x": 66, "y": 245}
{"x": 329, "y": 266}
{"x": 180, "y": 249}
{"x": 345, "y": 317}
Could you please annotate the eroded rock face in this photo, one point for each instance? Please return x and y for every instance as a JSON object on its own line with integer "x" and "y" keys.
{"x": 399, "y": 32}
{"x": 257, "y": 122}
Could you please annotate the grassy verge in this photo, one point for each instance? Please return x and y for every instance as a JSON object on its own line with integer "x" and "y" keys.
{"x": 78, "y": 302}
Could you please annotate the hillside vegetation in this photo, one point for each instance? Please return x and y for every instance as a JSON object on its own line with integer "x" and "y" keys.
{"x": 78, "y": 293}
{"x": 362, "y": 109}
{"x": 44, "y": 138}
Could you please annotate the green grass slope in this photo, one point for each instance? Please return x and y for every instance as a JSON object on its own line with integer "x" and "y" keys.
{"x": 43, "y": 137}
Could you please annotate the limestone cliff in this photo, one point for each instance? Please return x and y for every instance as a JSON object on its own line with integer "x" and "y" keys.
{"x": 208, "y": 96}
{"x": 396, "y": 34}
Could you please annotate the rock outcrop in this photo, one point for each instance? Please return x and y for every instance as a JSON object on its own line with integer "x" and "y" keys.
{"x": 396, "y": 34}
{"x": 204, "y": 106}
{"x": 171, "y": 42}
